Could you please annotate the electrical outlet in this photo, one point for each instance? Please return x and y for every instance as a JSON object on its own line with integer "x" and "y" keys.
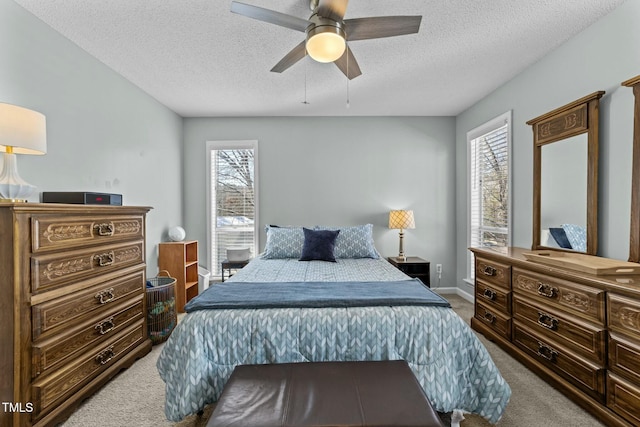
{"x": 439, "y": 268}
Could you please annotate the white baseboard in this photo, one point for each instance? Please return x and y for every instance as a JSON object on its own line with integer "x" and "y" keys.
{"x": 465, "y": 295}
{"x": 456, "y": 291}
{"x": 445, "y": 290}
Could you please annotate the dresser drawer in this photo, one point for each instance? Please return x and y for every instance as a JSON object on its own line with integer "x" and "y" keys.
{"x": 493, "y": 296}
{"x": 53, "y": 270}
{"x": 623, "y": 315}
{"x": 586, "y": 375}
{"x": 49, "y": 353}
{"x": 48, "y": 316}
{"x": 55, "y": 388}
{"x": 624, "y": 357}
{"x": 493, "y": 272}
{"x": 66, "y": 232}
{"x": 585, "y": 338}
{"x": 581, "y": 300}
{"x": 623, "y": 398}
{"x": 497, "y": 321}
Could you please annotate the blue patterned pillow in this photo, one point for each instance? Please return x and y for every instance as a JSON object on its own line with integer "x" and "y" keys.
{"x": 577, "y": 235}
{"x": 283, "y": 242}
{"x": 319, "y": 245}
{"x": 354, "y": 242}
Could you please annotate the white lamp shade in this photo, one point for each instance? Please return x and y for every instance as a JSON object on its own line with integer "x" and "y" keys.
{"x": 401, "y": 219}
{"x": 23, "y": 130}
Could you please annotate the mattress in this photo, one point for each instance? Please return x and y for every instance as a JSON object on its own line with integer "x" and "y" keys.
{"x": 453, "y": 367}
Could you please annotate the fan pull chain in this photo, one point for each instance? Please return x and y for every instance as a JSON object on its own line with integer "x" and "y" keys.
{"x": 305, "y": 80}
{"x": 347, "y": 50}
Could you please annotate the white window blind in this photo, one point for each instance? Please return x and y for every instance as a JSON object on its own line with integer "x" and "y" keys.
{"x": 232, "y": 199}
{"x": 489, "y": 186}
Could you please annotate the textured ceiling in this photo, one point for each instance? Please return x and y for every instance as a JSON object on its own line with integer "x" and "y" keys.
{"x": 199, "y": 59}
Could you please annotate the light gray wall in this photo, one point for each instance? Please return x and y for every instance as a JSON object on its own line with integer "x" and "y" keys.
{"x": 341, "y": 171}
{"x": 103, "y": 133}
{"x": 599, "y": 58}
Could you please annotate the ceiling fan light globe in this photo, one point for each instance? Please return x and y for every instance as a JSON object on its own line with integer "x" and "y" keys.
{"x": 326, "y": 43}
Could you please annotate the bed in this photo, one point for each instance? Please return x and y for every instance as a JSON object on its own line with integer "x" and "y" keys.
{"x": 451, "y": 364}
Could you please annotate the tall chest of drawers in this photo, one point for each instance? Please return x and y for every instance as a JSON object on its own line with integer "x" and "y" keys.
{"x": 578, "y": 331}
{"x": 72, "y": 282}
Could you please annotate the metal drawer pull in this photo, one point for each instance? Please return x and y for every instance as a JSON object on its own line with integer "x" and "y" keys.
{"x": 547, "y": 352}
{"x": 107, "y": 323}
{"x": 105, "y": 296}
{"x": 547, "y": 290}
{"x": 489, "y": 294}
{"x": 489, "y": 271}
{"x": 105, "y": 259}
{"x": 547, "y": 321}
{"x": 489, "y": 317}
{"x": 104, "y": 229}
{"x": 105, "y": 355}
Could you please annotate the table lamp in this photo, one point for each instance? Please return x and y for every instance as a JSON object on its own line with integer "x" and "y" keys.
{"x": 401, "y": 220}
{"x": 22, "y": 131}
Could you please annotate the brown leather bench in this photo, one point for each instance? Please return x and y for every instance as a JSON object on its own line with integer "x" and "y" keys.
{"x": 384, "y": 393}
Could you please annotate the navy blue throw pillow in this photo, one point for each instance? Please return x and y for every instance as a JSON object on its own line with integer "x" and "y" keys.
{"x": 319, "y": 245}
{"x": 560, "y": 236}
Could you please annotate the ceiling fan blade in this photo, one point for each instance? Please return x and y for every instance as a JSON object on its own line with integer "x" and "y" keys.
{"x": 351, "y": 64}
{"x": 270, "y": 16}
{"x": 295, "y": 55}
{"x": 381, "y": 26}
{"x": 333, "y": 9}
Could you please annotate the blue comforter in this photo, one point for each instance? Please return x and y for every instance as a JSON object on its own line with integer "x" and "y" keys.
{"x": 315, "y": 295}
{"x": 450, "y": 363}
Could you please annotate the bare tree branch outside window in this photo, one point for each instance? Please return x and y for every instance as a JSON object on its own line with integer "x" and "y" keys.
{"x": 234, "y": 185}
{"x": 495, "y": 192}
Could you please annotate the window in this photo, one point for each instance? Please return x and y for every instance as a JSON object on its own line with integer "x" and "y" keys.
{"x": 489, "y": 185}
{"x": 232, "y": 203}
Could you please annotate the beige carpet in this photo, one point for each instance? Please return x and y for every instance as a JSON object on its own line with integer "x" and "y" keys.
{"x": 135, "y": 398}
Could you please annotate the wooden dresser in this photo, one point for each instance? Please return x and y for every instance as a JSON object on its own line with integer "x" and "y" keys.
{"x": 578, "y": 331}
{"x": 72, "y": 282}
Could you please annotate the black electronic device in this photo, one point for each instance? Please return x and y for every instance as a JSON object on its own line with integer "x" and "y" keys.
{"x": 82, "y": 198}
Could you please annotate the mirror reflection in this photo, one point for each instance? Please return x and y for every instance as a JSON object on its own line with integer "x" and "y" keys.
{"x": 563, "y": 194}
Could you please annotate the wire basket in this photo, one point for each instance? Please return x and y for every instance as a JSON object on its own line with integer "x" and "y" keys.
{"x": 161, "y": 306}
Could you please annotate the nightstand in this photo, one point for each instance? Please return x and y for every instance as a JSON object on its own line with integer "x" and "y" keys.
{"x": 232, "y": 265}
{"x": 413, "y": 267}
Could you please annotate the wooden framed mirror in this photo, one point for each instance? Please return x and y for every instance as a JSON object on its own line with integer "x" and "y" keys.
{"x": 565, "y": 177}
{"x": 634, "y": 235}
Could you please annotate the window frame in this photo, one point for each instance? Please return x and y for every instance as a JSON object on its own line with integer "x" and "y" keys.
{"x": 488, "y": 127}
{"x": 231, "y": 145}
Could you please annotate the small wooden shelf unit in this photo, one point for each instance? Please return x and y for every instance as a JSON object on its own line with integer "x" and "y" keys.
{"x": 180, "y": 259}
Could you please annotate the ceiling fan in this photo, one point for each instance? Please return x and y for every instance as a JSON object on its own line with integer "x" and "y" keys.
{"x": 327, "y": 32}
